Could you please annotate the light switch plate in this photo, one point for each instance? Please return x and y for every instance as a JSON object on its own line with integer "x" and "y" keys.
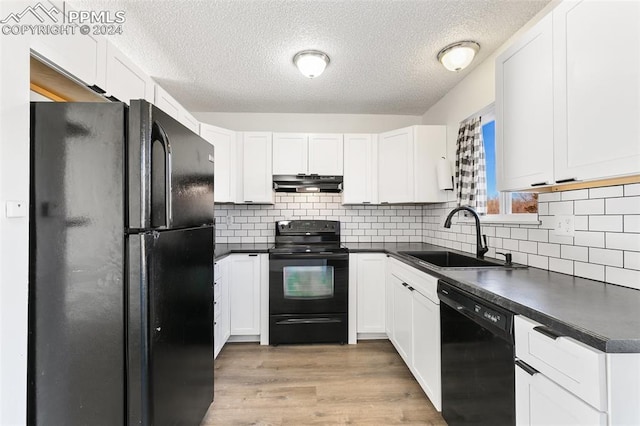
{"x": 564, "y": 225}
{"x": 16, "y": 209}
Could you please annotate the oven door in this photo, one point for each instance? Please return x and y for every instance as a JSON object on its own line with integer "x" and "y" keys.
{"x": 309, "y": 283}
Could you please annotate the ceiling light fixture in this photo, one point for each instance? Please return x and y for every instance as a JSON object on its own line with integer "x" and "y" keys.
{"x": 458, "y": 56}
{"x": 311, "y": 63}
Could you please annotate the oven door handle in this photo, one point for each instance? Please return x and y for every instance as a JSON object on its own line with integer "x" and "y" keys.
{"x": 292, "y": 321}
{"x": 321, "y": 256}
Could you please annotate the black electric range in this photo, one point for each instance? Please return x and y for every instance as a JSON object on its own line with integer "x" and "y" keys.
{"x": 308, "y": 283}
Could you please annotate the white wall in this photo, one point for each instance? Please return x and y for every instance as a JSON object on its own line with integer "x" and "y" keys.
{"x": 14, "y": 232}
{"x": 308, "y": 123}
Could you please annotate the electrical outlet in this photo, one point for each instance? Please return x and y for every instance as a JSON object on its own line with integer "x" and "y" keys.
{"x": 564, "y": 225}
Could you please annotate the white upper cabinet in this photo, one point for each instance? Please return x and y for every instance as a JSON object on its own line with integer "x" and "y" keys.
{"x": 124, "y": 80}
{"x": 255, "y": 181}
{"x": 168, "y": 104}
{"x": 301, "y": 153}
{"x": 407, "y": 161}
{"x": 224, "y": 142}
{"x": 567, "y": 107}
{"x": 524, "y": 110}
{"x": 395, "y": 171}
{"x": 325, "y": 154}
{"x": 290, "y": 153}
{"x": 597, "y": 89}
{"x": 81, "y": 56}
{"x": 360, "y": 169}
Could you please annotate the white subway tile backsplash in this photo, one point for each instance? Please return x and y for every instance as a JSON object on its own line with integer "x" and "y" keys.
{"x": 632, "y": 223}
{"x": 590, "y": 239}
{"x": 561, "y": 265}
{"x": 632, "y": 260}
{"x": 589, "y": 207}
{"x": 589, "y": 270}
{"x": 541, "y": 262}
{"x": 605, "y": 257}
{"x": 621, "y": 241}
{"x": 574, "y": 253}
{"x": 605, "y": 223}
{"x": 551, "y": 250}
{"x": 632, "y": 189}
{"x": 561, "y": 207}
{"x": 625, "y": 277}
{"x": 580, "y": 194}
{"x": 606, "y": 192}
{"x": 626, "y": 205}
{"x": 606, "y": 241}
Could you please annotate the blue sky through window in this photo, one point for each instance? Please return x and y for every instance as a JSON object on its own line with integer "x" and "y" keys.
{"x": 489, "y": 136}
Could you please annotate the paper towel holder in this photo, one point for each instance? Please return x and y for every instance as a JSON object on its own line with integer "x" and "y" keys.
{"x": 444, "y": 174}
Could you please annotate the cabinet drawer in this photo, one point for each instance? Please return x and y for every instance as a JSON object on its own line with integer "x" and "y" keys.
{"x": 539, "y": 401}
{"x": 424, "y": 283}
{"x": 571, "y": 364}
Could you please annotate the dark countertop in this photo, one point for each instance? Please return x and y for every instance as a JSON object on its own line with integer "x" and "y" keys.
{"x": 222, "y": 250}
{"x": 603, "y": 316}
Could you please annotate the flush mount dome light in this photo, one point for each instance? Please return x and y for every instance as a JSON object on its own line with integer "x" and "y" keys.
{"x": 311, "y": 63}
{"x": 458, "y": 56}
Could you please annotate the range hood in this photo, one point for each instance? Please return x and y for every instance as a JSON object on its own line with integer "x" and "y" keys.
{"x": 307, "y": 183}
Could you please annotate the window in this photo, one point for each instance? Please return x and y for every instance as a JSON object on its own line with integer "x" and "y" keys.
{"x": 501, "y": 203}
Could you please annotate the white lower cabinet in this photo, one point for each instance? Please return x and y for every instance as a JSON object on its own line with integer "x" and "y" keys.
{"x": 402, "y": 326}
{"x": 426, "y": 347}
{"x": 244, "y": 293}
{"x": 369, "y": 273}
{"x": 560, "y": 381}
{"x": 221, "y": 311}
{"x": 539, "y": 401}
{"x": 414, "y": 328}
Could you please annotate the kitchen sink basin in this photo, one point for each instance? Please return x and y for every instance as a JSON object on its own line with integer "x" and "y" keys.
{"x": 447, "y": 259}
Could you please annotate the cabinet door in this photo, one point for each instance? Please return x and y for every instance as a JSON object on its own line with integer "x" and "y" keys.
{"x": 244, "y": 293}
{"x": 395, "y": 166}
{"x": 325, "y": 154}
{"x": 165, "y": 102}
{"x": 360, "y": 169}
{"x": 225, "y": 312}
{"x": 81, "y": 56}
{"x": 224, "y": 142}
{"x": 257, "y": 179}
{"x": 524, "y": 111}
{"x": 124, "y": 80}
{"x": 430, "y": 145}
{"x": 390, "y": 280}
{"x": 597, "y": 89}
{"x": 426, "y": 347}
{"x": 371, "y": 292}
{"x": 290, "y": 153}
{"x": 402, "y": 319}
{"x": 188, "y": 120}
{"x": 539, "y": 401}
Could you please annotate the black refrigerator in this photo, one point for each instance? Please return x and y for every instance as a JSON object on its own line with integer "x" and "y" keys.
{"x": 121, "y": 267}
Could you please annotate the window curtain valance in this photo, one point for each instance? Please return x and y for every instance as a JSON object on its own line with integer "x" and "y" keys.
{"x": 471, "y": 176}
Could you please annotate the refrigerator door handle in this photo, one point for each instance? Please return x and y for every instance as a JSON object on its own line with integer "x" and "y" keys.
{"x": 160, "y": 135}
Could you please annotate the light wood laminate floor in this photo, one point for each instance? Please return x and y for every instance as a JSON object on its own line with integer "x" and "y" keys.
{"x": 366, "y": 384}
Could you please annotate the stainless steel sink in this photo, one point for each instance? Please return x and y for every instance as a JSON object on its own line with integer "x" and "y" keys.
{"x": 447, "y": 259}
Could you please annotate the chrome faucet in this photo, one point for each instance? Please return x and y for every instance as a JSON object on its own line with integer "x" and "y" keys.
{"x": 480, "y": 248}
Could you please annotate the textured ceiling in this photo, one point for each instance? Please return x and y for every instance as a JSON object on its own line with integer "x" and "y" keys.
{"x": 236, "y": 56}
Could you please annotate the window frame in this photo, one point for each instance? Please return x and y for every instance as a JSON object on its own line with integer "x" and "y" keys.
{"x": 487, "y": 115}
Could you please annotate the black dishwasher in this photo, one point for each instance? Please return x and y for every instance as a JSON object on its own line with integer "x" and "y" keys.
{"x": 478, "y": 374}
